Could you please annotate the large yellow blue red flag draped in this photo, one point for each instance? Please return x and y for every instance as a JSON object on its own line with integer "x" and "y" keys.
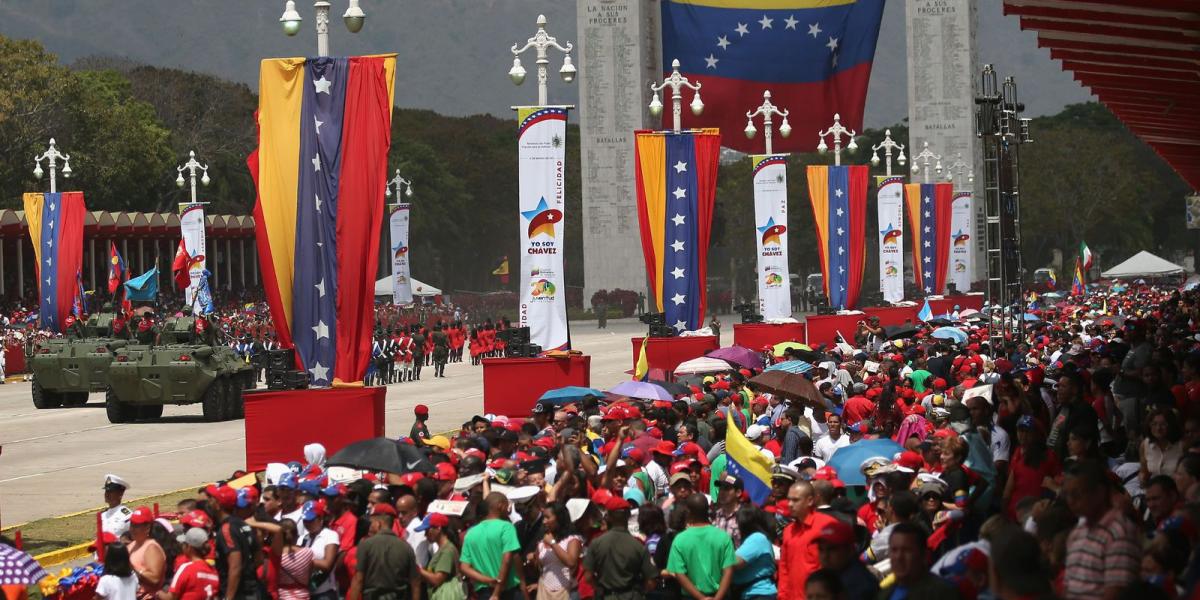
{"x": 929, "y": 215}
{"x": 839, "y": 202}
{"x": 324, "y": 129}
{"x": 56, "y": 230}
{"x": 744, "y": 461}
{"x": 814, "y": 56}
{"x": 676, "y": 189}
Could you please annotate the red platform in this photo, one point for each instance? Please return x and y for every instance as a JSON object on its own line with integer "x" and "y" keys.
{"x": 511, "y": 386}
{"x": 964, "y": 301}
{"x": 14, "y": 359}
{"x": 823, "y": 329}
{"x": 755, "y": 336}
{"x": 892, "y": 315}
{"x": 666, "y": 353}
{"x": 280, "y": 423}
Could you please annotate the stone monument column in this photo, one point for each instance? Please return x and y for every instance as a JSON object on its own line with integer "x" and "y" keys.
{"x": 619, "y": 55}
{"x": 943, "y": 80}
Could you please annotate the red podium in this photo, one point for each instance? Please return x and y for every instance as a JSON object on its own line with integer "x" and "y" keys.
{"x": 823, "y": 329}
{"x": 280, "y": 423}
{"x": 755, "y": 336}
{"x": 511, "y": 386}
{"x": 666, "y": 353}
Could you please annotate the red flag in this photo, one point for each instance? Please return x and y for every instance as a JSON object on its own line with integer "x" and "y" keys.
{"x": 181, "y": 267}
{"x": 116, "y": 268}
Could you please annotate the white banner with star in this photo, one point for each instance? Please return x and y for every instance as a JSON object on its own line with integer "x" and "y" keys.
{"x": 191, "y": 228}
{"x": 961, "y": 224}
{"x": 891, "y": 237}
{"x": 541, "y": 160}
{"x": 398, "y": 242}
{"x": 770, "y": 238}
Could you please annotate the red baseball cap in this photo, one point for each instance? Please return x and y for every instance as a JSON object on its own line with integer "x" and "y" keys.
{"x": 836, "y": 532}
{"x": 826, "y": 473}
{"x": 141, "y": 516}
{"x": 616, "y": 503}
{"x": 545, "y": 442}
{"x": 383, "y": 508}
{"x": 665, "y": 447}
{"x": 196, "y": 518}
{"x": 411, "y": 479}
{"x": 910, "y": 460}
{"x": 421, "y": 410}
{"x": 445, "y": 472}
{"x": 680, "y": 466}
{"x": 225, "y": 496}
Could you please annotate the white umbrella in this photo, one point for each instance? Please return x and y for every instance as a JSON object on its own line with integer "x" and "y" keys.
{"x": 703, "y": 364}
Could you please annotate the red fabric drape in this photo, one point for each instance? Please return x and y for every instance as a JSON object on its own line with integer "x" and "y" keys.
{"x": 943, "y": 198}
{"x": 644, "y": 223}
{"x": 708, "y": 150}
{"x": 858, "y": 228}
{"x": 70, "y": 251}
{"x": 266, "y": 266}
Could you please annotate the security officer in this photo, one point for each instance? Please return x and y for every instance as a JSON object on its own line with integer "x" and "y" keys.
{"x": 418, "y": 350}
{"x": 441, "y": 351}
{"x": 115, "y": 518}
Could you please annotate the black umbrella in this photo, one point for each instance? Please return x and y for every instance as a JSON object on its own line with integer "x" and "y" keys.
{"x": 896, "y": 332}
{"x": 940, "y": 322}
{"x": 673, "y": 388}
{"x": 382, "y": 454}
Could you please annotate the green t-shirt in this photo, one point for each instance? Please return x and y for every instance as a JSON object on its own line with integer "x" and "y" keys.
{"x": 702, "y": 553}
{"x": 717, "y": 468}
{"x": 485, "y": 546}
{"x": 445, "y": 560}
{"x": 919, "y": 377}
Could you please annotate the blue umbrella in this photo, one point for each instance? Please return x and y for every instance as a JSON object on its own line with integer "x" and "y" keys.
{"x": 950, "y": 333}
{"x": 641, "y": 389}
{"x": 848, "y": 459}
{"x": 1031, "y": 317}
{"x": 571, "y": 393}
{"x": 791, "y": 366}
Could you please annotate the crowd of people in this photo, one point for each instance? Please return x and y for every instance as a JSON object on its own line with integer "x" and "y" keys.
{"x": 1065, "y": 464}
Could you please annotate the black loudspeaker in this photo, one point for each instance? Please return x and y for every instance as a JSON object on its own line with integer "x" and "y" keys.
{"x": 287, "y": 380}
{"x": 281, "y": 360}
{"x": 825, "y": 309}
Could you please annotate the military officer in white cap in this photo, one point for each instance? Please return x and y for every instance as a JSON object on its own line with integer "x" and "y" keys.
{"x": 115, "y": 518}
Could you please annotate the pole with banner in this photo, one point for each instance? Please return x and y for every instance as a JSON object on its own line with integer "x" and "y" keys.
{"x": 962, "y": 223}
{"x": 770, "y": 215}
{"x": 398, "y": 219}
{"x": 890, "y": 205}
{"x": 191, "y": 227}
{"x": 541, "y": 160}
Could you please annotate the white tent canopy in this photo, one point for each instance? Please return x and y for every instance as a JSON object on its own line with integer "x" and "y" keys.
{"x": 383, "y": 287}
{"x": 1143, "y": 264}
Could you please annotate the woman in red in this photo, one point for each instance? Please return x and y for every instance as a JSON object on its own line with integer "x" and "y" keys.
{"x": 1032, "y": 462}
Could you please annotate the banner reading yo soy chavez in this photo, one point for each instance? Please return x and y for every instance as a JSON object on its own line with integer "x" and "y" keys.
{"x": 961, "y": 224}
{"x": 191, "y": 227}
{"x": 541, "y": 157}
{"x": 398, "y": 239}
{"x": 770, "y": 238}
{"x": 891, "y": 238}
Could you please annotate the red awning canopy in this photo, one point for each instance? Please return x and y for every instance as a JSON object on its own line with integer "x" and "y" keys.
{"x": 1141, "y": 59}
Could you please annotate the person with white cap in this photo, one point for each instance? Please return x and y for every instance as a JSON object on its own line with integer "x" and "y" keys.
{"x": 115, "y": 518}
{"x": 757, "y": 434}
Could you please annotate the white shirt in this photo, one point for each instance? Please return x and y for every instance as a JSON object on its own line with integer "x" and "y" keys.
{"x": 297, "y": 517}
{"x": 826, "y": 446}
{"x": 658, "y": 477}
{"x": 1001, "y": 446}
{"x": 116, "y": 520}
{"x": 320, "y": 543}
{"x": 111, "y": 587}
{"x": 417, "y": 540}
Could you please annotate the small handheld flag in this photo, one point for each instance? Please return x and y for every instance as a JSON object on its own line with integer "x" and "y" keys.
{"x": 1085, "y": 254}
{"x": 747, "y": 463}
{"x": 144, "y": 287}
{"x": 642, "y": 369}
{"x": 926, "y": 313}
{"x": 181, "y": 266}
{"x": 116, "y": 268}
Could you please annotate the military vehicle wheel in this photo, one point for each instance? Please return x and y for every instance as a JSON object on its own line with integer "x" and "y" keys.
{"x": 147, "y": 412}
{"x": 236, "y": 402}
{"x": 117, "y": 411}
{"x": 43, "y": 399}
{"x": 249, "y": 381}
{"x": 213, "y": 401}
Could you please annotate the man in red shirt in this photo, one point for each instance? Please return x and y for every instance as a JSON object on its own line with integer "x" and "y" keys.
{"x": 798, "y": 556}
{"x": 194, "y": 579}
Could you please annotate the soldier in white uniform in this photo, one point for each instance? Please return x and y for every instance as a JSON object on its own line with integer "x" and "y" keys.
{"x": 115, "y": 518}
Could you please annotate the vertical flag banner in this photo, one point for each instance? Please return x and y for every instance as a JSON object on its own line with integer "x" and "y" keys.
{"x": 890, "y": 198}
{"x": 398, "y": 242}
{"x": 676, "y": 189}
{"x": 770, "y": 235}
{"x": 320, "y": 169}
{"x": 839, "y": 203}
{"x": 1077, "y": 282}
{"x": 117, "y": 271}
{"x": 928, "y": 207}
{"x": 56, "y": 231}
{"x": 962, "y": 222}
{"x": 191, "y": 229}
{"x": 811, "y": 54}
{"x": 1085, "y": 255}
{"x": 541, "y": 160}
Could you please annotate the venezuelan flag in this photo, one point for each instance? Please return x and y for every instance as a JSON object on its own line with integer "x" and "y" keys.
{"x": 747, "y": 463}
{"x": 1077, "y": 283}
{"x": 839, "y": 203}
{"x": 641, "y": 369}
{"x": 56, "y": 230}
{"x": 814, "y": 56}
{"x": 676, "y": 190}
{"x": 320, "y": 167}
{"x": 928, "y": 206}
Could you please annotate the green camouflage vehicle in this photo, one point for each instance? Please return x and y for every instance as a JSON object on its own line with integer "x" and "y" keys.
{"x": 183, "y": 368}
{"x": 66, "y": 369}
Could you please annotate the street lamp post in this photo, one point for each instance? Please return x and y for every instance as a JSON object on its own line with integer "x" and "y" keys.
{"x": 921, "y": 163}
{"x": 354, "y": 18}
{"x": 956, "y": 169}
{"x": 837, "y": 131}
{"x": 541, "y": 42}
{"x": 767, "y": 111}
{"x": 52, "y": 156}
{"x": 676, "y": 82}
{"x": 888, "y": 144}
{"x": 191, "y": 166}
{"x": 402, "y": 185}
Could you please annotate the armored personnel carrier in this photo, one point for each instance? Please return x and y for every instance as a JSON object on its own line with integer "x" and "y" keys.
{"x": 183, "y": 368}
{"x": 66, "y": 369}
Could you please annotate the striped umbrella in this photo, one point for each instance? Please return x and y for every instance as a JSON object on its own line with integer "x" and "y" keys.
{"x": 18, "y": 568}
{"x": 791, "y": 366}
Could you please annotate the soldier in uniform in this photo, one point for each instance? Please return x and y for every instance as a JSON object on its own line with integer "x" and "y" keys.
{"x": 73, "y": 328}
{"x": 118, "y": 328}
{"x": 146, "y": 334}
{"x": 202, "y": 332}
{"x": 441, "y": 351}
{"x": 115, "y": 518}
{"x": 418, "y": 349}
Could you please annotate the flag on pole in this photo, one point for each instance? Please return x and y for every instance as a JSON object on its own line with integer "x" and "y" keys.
{"x": 744, "y": 461}
{"x": 117, "y": 272}
{"x": 181, "y": 267}
{"x": 926, "y": 312}
{"x": 642, "y": 369}
{"x": 79, "y": 306}
{"x": 676, "y": 189}
{"x": 56, "y": 231}
{"x": 144, "y": 287}
{"x": 203, "y": 299}
{"x": 839, "y": 203}
{"x": 814, "y": 57}
{"x": 1086, "y": 254}
{"x": 502, "y": 271}
{"x": 929, "y": 213}
{"x": 1077, "y": 287}
{"x": 320, "y": 172}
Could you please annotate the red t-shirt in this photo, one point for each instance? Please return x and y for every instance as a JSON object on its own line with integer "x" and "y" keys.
{"x": 195, "y": 580}
{"x": 346, "y": 526}
{"x": 1027, "y": 480}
